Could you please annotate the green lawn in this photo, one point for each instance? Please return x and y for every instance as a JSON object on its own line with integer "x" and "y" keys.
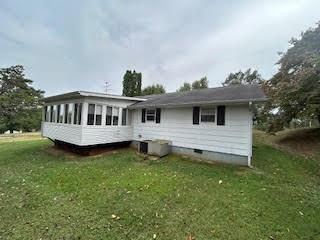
{"x": 45, "y": 194}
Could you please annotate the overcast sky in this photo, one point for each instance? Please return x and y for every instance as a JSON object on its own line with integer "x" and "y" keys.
{"x": 78, "y": 45}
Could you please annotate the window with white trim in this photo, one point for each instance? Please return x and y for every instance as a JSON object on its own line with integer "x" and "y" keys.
{"x": 91, "y": 111}
{"x": 109, "y": 116}
{"x": 61, "y": 111}
{"x": 124, "y": 117}
{"x": 69, "y": 113}
{"x": 98, "y": 114}
{"x": 151, "y": 114}
{"x": 77, "y": 113}
{"x": 208, "y": 114}
{"x": 54, "y": 117}
{"x": 66, "y": 110}
{"x": 45, "y": 113}
{"x": 115, "y": 116}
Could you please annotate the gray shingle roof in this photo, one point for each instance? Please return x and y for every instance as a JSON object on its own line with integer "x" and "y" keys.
{"x": 231, "y": 94}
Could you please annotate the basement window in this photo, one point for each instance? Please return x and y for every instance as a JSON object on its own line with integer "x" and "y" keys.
{"x": 197, "y": 151}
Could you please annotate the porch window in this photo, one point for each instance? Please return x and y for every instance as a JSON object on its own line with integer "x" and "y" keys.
{"x": 46, "y": 114}
{"x": 91, "y": 110}
{"x": 75, "y": 113}
{"x": 54, "y": 118}
{"x": 79, "y": 114}
{"x": 98, "y": 114}
{"x": 60, "y": 110}
{"x": 208, "y": 114}
{"x": 66, "y": 111}
{"x": 109, "y": 115}
{"x": 51, "y": 114}
{"x": 124, "y": 117}
{"x": 115, "y": 116}
{"x": 71, "y": 105}
{"x": 151, "y": 114}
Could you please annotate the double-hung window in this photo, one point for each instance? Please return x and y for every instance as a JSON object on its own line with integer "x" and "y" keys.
{"x": 124, "y": 117}
{"x": 45, "y": 113}
{"x": 98, "y": 114}
{"x": 208, "y": 114}
{"x": 109, "y": 116}
{"x": 151, "y": 114}
{"x": 69, "y": 116}
{"x": 77, "y": 113}
{"x": 91, "y": 111}
{"x": 61, "y": 111}
{"x": 115, "y": 116}
{"x": 66, "y": 111}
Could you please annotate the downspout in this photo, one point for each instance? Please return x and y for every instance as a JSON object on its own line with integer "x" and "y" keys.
{"x": 250, "y": 134}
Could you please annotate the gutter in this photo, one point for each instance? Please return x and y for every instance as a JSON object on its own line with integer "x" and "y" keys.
{"x": 171, "y": 105}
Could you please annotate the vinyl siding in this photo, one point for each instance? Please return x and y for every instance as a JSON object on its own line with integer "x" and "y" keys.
{"x": 92, "y": 135}
{"x": 84, "y": 134}
{"x": 176, "y": 126}
{"x": 62, "y": 132}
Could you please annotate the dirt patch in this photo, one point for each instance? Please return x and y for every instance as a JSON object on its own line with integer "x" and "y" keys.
{"x": 304, "y": 141}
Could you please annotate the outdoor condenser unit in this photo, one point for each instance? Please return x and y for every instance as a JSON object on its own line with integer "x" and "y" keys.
{"x": 158, "y": 148}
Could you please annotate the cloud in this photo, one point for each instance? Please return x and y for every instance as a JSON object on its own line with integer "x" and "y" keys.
{"x": 73, "y": 45}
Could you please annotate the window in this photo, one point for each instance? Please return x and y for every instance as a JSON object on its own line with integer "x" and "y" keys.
{"x": 151, "y": 114}
{"x": 109, "y": 116}
{"x": 91, "y": 110}
{"x": 98, "y": 114}
{"x": 66, "y": 111}
{"x": 79, "y": 113}
{"x": 69, "y": 116}
{"x": 208, "y": 114}
{"x": 115, "y": 116}
{"x": 75, "y": 113}
{"x": 124, "y": 117}
{"x": 60, "y": 110}
{"x": 129, "y": 118}
{"x": 54, "y": 118}
{"x": 51, "y": 114}
{"x": 45, "y": 113}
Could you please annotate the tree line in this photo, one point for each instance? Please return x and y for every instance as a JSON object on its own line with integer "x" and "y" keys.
{"x": 294, "y": 91}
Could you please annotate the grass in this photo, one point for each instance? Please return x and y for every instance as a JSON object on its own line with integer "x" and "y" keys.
{"x": 46, "y": 194}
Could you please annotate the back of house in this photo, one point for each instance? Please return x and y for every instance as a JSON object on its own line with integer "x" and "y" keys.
{"x": 211, "y": 124}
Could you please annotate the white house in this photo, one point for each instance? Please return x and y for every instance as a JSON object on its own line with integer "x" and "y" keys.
{"x": 212, "y": 124}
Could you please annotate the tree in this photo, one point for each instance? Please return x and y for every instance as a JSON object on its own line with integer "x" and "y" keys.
{"x": 199, "y": 84}
{"x": 153, "y": 89}
{"x": 185, "y": 87}
{"x": 296, "y": 87}
{"x": 243, "y": 78}
{"x": 131, "y": 84}
{"x": 20, "y": 103}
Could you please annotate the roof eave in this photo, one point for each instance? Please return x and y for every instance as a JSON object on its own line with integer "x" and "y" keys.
{"x": 83, "y": 94}
{"x": 238, "y": 101}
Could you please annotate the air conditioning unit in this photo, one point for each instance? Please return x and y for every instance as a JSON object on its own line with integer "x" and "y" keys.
{"x": 158, "y": 148}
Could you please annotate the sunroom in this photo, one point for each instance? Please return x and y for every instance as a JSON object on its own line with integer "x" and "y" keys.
{"x": 84, "y": 118}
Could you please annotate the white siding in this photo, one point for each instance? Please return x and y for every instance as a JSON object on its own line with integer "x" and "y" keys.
{"x": 92, "y": 135}
{"x": 176, "y": 126}
{"x": 84, "y": 134}
{"x": 63, "y": 132}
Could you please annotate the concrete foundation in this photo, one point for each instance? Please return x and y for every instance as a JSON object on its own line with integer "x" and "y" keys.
{"x": 206, "y": 155}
